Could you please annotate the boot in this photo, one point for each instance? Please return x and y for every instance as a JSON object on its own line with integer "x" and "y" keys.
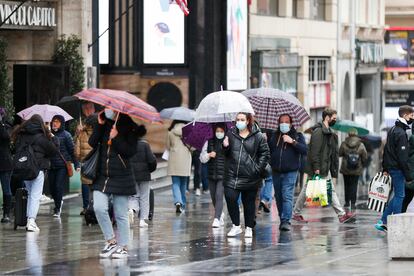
{"x": 6, "y": 208}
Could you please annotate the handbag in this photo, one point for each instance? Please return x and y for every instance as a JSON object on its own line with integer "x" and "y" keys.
{"x": 68, "y": 164}
{"x": 90, "y": 163}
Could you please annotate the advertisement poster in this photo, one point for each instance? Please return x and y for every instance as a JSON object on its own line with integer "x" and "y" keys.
{"x": 237, "y": 44}
{"x": 163, "y": 32}
{"x": 398, "y": 37}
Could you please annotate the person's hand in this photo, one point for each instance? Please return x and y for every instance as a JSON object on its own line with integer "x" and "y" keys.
{"x": 212, "y": 154}
{"x": 385, "y": 173}
{"x": 226, "y": 142}
{"x": 317, "y": 172}
{"x": 100, "y": 120}
{"x": 113, "y": 133}
{"x": 287, "y": 139}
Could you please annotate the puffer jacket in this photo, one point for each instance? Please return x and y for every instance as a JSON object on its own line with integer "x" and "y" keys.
{"x": 246, "y": 160}
{"x": 143, "y": 162}
{"x": 66, "y": 146}
{"x": 179, "y": 161}
{"x": 6, "y": 162}
{"x": 114, "y": 173}
{"x": 215, "y": 165}
{"x": 352, "y": 145}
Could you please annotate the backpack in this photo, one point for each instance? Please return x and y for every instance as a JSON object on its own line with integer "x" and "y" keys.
{"x": 24, "y": 162}
{"x": 352, "y": 160}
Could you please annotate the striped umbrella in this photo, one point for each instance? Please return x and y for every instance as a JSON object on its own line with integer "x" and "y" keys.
{"x": 269, "y": 104}
{"x": 122, "y": 102}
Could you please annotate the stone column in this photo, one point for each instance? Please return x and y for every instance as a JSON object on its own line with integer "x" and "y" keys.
{"x": 285, "y": 8}
{"x": 304, "y": 9}
{"x": 331, "y": 10}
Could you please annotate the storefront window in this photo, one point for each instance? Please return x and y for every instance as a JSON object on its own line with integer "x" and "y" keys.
{"x": 267, "y": 7}
{"x": 317, "y": 9}
{"x": 285, "y": 80}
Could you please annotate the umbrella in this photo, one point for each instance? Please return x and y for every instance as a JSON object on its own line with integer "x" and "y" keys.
{"x": 122, "y": 102}
{"x": 347, "y": 125}
{"x": 222, "y": 106}
{"x": 45, "y": 111}
{"x": 178, "y": 113}
{"x": 270, "y": 103}
{"x": 195, "y": 134}
{"x": 374, "y": 140}
{"x": 73, "y": 106}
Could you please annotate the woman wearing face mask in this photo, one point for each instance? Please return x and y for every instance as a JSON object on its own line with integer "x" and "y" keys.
{"x": 212, "y": 154}
{"x": 286, "y": 147}
{"x": 247, "y": 155}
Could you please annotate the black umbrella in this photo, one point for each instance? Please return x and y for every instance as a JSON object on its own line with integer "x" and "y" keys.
{"x": 373, "y": 140}
{"x": 73, "y": 106}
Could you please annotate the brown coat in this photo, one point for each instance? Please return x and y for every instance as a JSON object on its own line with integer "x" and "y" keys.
{"x": 82, "y": 147}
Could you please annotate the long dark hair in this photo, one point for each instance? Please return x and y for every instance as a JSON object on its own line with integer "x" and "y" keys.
{"x": 174, "y": 123}
{"x": 36, "y": 120}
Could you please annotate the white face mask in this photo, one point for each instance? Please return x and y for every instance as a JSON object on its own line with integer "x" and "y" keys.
{"x": 219, "y": 135}
{"x": 109, "y": 114}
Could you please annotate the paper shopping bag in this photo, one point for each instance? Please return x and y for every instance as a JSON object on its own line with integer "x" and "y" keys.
{"x": 379, "y": 192}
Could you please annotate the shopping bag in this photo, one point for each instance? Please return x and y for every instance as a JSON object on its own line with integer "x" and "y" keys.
{"x": 166, "y": 155}
{"x": 317, "y": 192}
{"x": 379, "y": 192}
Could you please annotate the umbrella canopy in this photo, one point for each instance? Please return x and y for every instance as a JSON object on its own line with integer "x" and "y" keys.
{"x": 178, "y": 113}
{"x": 45, "y": 111}
{"x": 195, "y": 134}
{"x": 269, "y": 104}
{"x": 374, "y": 140}
{"x": 122, "y": 102}
{"x": 73, "y": 106}
{"x": 222, "y": 106}
{"x": 347, "y": 125}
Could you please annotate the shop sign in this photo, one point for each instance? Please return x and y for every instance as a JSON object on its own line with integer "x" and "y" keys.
{"x": 399, "y": 98}
{"x": 30, "y": 16}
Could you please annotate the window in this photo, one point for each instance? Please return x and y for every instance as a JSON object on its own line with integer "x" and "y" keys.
{"x": 103, "y": 26}
{"x": 268, "y": 7}
{"x": 318, "y": 70}
{"x": 285, "y": 80}
{"x": 317, "y": 9}
{"x": 295, "y": 8}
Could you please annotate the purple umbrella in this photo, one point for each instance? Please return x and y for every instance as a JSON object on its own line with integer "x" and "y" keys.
{"x": 195, "y": 134}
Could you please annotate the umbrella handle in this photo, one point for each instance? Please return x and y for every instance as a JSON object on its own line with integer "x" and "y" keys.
{"x": 116, "y": 121}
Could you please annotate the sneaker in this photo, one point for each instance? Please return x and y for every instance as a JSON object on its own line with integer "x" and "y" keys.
{"x": 143, "y": 224}
{"x": 131, "y": 216}
{"x": 5, "y": 219}
{"x": 235, "y": 230}
{"x": 216, "y": 223}
{"x": 284, "y": 226}
{"x": 347, "y": 218}
{"x": 108, "y": 249}
{"x": 56, "y": 214}
{"x": 265, "y": 206}
{"x": 31, "y": 226}
{"x": 248, "y": 233}
{"x": 178, "y": 208}
{"x": 120, "y": 253}
{"x": 299, "y": 218}
{"x": 380, "y": 226}
{"x": 197, "y": 192}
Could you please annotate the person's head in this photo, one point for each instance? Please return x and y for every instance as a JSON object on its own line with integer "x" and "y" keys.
{"x": 57, "y": 123}
{"x": 329, "y": 116}
{"x": 407, "y": 113}
{"x": 141, "y": 131}
{"x": 88, "y": 109}
{"x": 110, "y": 114}
{"x": 285, "y": 123}
{"x": 36, "y": 121}
{"x": 220, "y": 131}
{"x": 244, "y": 121}
{"x": 352, "y": 132}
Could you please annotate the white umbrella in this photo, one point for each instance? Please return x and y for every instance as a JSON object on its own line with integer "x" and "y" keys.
{"x": 222, "y": 106}
{"x": 180, "y": 113}
{"x": 45, "y": 111}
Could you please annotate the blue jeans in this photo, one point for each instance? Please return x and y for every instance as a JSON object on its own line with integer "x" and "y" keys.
{"x": 101, "y": 206}
{"x": 57, "y": 181}
{"x": 284, "y": 184}
{"x": 85, "y": 195}
{"x": 34, "y": 189}
{"x": 179, "y": 188}
{"x": 395, "y": 204}
{"x": 5, "y": 178}
{"x": 266, "y": 193}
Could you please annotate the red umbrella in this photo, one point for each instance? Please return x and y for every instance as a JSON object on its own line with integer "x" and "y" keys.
{"x": 122, "y": 102}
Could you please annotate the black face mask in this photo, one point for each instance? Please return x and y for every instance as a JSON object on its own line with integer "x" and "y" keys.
{"x": 332, "y": 123}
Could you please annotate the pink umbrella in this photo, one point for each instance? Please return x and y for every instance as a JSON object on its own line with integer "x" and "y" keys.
{"x": 45, "y": 111}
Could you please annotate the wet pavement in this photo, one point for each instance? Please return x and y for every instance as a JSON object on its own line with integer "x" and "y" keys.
{"x": 187, "y": 245}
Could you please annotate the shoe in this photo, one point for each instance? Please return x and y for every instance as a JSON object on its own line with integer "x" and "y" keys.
{"x": 265, "y": 207}
{"x": 108, "y": 249}
{"x": 284, "y": 226}
{"x": 235, "y": 230}
{"x": 248, "y": 233}
{"x": 120, "y": 253}
{"x": 31, "y": 226}
{"x": 205, "y": 192}
{"x": 56, "y": 214}
{"x": 131, "y": 215}
{"x": 299, "y": 218}
{"x": 216, "y": 223}
{"x": 82, "y": 213}
{"x": 346, "y": 218}
{"x": 178, "y": 208}
{"x": 197, "y": 192}
{"x": 5, "y": 219}
{"x": 380, "y": 226}
{"x": 143, "y": 224}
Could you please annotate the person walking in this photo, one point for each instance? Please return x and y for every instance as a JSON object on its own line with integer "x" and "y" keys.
{"x": 354, "y": 155}
{"x": 45, "y": 145}
{"x": 6, "y": 166}
{"x": 323, "y": 161}
{"x": 409, "y": 189}
{"x": 143, "y": 163}
{"x": 82, "y": 148}
{"x": 179, "y": 164}
{"x": 395, "y": 163}
{"x": 247, "y": 155}
{"x": 212, "y": 154}
{"x": 286, "y": 147}
{"x": 58, "y": 174}
{"x": 115, "y": 180}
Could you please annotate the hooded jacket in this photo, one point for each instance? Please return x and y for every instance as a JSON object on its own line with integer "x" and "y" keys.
{"x": 6, "y": 162}
{"x": 66, "y": 146}
{"x": 352, "y": 145}
{"x": 179, "y": 161}
{"x": 323, "y": 152}
{"x": 143, "y": 162}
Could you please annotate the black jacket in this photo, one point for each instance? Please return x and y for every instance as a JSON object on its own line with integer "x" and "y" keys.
{"x": 66, "y": 148}
{"x": 6, "y": 163}
{"x": 143, "y": 162}
{"x": 396, "y": 150}
{"x": 286, "y": 157}
{"x": 115, "y": 174}
{"x": 43, "y": 147}
{"x": 246, "y": 160}
{"x": 216, "y": 165}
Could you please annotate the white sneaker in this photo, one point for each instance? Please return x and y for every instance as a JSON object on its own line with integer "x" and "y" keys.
{"x": 143, "y": 224}
{"x": 108, "y": 249}
{"x": 31, "y": 226}
{"x": 248, "y": 233}
{"x": 216, "y": 223}
{"x": 197, "y": 192}
{"x": 120, "y": 253}
{"x": 235, "y": 230}
{"x": 131, "y": 217}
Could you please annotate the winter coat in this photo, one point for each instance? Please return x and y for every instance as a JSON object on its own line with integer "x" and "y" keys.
{"x": 215, "y": 165}
{"x": 66, "y": 146}
{"x": 115, "y": 174}
{"x": 323, "y": 152}
{"x": 43, "y": 147}
{"x": 286, "y": 157}
{"x": 6, "y": 162}
{"x": 396, "y": 150}
{"x": 352, "y": 145}
{"x": 246, "y": 160}
{"x": 179, "y": 161}
{"x": 143, "y": 162}
{"x": 82, "y": 147}
{"x": 411, "y": 156}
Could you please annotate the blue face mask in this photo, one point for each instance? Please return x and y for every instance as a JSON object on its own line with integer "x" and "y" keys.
{"x": 284, "y": 127}
{"x": 109, "y": 114}
{"x": 219, "y": 135}
{"x": 241, "y": 125}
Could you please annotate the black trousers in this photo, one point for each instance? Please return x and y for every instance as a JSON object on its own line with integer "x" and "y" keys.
{"x": 351, "y": 189}
{"x": 248, "y": 198}
{"x": 409, "y": 195}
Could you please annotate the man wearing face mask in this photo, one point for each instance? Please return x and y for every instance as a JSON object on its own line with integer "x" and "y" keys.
{"x": 286, "y": 146}
{"x": 396, "y": 162}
